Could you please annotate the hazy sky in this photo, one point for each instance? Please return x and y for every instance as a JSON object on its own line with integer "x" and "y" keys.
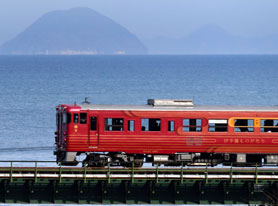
{"x": 152, "y": 18}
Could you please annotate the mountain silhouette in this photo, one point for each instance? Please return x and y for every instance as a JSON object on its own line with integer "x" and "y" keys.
{"x": 212, "y": 39}
{"x": 74, "y": 31}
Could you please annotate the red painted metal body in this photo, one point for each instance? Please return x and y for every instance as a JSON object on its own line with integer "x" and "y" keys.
{"x": 80, "y": 138}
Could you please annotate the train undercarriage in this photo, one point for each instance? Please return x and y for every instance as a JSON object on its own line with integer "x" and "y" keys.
{"x": 178, "y": 159}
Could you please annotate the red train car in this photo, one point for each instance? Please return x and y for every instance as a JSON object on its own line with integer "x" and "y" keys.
{"x": 169, "y": 132}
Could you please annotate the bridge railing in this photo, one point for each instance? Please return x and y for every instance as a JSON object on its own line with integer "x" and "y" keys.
{"x": 44, "y": 169}
{"x": 40, "y": 182}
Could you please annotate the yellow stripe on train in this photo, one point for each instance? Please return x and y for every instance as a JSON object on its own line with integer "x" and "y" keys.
{"x": 257, "y": 121}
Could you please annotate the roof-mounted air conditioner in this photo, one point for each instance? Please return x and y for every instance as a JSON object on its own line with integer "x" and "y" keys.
{"x": 171, "y": 102}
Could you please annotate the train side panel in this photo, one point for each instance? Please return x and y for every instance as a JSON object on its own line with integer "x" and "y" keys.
{"x": 81, "y": 137}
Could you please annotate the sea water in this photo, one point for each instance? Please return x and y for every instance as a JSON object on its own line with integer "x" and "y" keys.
{"x": 31, "y": 87}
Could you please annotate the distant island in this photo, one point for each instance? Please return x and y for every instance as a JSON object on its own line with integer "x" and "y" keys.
{"x": 212, "y": 39}
{"x": 74, "y": 31}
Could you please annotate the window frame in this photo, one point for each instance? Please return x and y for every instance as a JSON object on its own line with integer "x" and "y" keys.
{"x": 81, "y": 118}
{"x": 244, "y": 127}
{"x": 106, "y": 125}
{"x": 74, "y": 115}
{"x": 96, "y": 123}
{"x": 217, "y": 122}
{"x": 160, "y": 126}
{"x": 272, "y": 129}
{"x": 128, "y": 125}
{"x": 68, "y": 118}
{"x": 185, "y": 126}
{"x": 174, "y": 125}
{"x": 64, "y": 118}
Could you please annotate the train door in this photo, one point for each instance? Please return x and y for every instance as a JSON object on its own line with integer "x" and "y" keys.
{"x": 93, "y": 131}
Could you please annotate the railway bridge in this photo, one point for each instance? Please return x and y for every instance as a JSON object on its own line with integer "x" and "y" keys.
{"x": 39, "y": 183}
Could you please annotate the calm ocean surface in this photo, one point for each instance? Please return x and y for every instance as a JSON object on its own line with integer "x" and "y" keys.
{"x": 31, "y": 87}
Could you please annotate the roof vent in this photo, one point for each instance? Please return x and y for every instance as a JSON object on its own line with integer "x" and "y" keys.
{"x": 171, "y": 102}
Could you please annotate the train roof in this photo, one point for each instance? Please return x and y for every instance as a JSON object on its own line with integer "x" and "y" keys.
{"x": 173, "y": 105}
{"x": 179, "y": 108}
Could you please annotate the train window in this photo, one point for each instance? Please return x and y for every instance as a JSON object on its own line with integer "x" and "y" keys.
{"x": 114, "y": 124}
{"x": 75, "y": 118}
{"x": 269, "y": 125}
{"x": 244, "y": 125}
{"x": 131, "y": 125}
{"x": 151, "y": 124}
{"x": 218, "y": 125}
{"x": 83, "y": 118}
{"x": 68, "y": 118}
{"x": 93, "y": 123}
{"x": 192, "y": 125}
{"x": 64, "y": 118}
{"x": 171, "y": 126}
